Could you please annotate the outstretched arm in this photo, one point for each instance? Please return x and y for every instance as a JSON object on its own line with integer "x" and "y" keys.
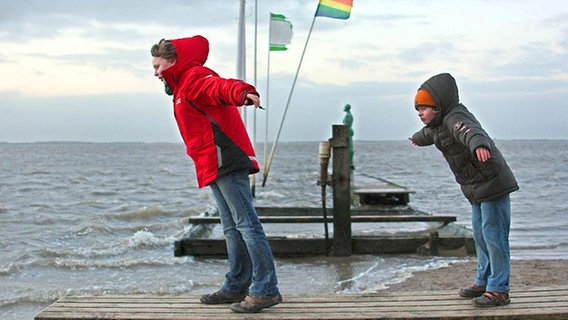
{"x": 422, "y": 138}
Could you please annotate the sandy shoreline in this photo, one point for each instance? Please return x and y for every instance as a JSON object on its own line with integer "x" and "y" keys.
{"x": 524, "y": 274}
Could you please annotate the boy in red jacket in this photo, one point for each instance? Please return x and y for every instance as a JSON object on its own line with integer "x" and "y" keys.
{"x": 205, "y": 109}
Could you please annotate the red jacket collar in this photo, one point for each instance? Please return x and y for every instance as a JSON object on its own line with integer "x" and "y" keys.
{"x": 191, "y": 52}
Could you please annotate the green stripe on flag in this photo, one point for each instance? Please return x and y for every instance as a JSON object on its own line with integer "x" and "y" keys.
{"x": 278, "y": 47}
{"x": 280, "y": 32}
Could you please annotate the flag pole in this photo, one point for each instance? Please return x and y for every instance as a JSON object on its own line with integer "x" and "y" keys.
{"x": 273, "y": 150}
{"x": 253, "y": 178}
{"x": 265, "y": 152}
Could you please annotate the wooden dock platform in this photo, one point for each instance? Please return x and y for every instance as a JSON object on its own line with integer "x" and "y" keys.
{"x": 371, "y": 190}
{"x": 287, "y": 247}
{"x": 443, "y": 238}
{"x": 527, "y": 304}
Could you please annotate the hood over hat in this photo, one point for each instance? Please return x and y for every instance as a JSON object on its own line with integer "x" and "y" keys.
{"x": 444, "y": 90}
{"x": 191, "y": 52}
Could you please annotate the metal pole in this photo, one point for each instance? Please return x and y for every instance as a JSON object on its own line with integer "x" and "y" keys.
{"x": 267, "y": 166}
{"x": 324, "y": 153}
{"x": 241, "y": 51}
{"x": 267, "y": 102}
{"x": 253, "y": 177}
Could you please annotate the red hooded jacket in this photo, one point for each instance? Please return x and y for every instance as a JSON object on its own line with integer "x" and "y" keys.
{"x": 205, "y": 108}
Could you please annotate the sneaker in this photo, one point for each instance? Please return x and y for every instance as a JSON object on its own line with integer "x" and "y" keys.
{"x": 472, "y": 291}
{"x": 492, "y": 299}
{"x": 221, "y": 297}
{"x": 253, "y": 305}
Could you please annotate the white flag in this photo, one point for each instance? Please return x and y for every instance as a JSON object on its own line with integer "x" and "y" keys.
{"x": 280, "y": 32}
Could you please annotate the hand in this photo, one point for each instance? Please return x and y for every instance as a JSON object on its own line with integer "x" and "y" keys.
{"x": 411, "y": 140}
{"x": 254, "y": 99}
{"x": 483, "y": 154}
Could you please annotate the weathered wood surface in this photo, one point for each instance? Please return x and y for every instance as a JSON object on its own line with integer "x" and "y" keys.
{"x": 354, "y": 219}
{"x": 386, "y": 210}
{"x": 370, "y": 190}
{"x": 527, "y": 304}
{"x": 284, "y": 247}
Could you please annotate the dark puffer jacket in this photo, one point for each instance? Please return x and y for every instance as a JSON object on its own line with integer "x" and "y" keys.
{"x": 457, "y": 133}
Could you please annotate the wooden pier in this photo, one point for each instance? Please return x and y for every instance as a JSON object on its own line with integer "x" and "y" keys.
{"x": 369, "y": 190}
{"x": 527, "y": 304}
{"x": 442, "y": 238}
{"x": 357, "y": 198}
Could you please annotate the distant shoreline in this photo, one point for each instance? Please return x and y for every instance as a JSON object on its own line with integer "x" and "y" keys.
{"x": 270, "y": 142}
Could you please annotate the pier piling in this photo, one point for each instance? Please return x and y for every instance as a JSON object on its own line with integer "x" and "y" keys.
{"x": 341, "y": 184}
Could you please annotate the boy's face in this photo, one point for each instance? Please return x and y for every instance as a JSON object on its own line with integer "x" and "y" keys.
{"x": 160, "y": 64}
{"x": 426, "y": 114}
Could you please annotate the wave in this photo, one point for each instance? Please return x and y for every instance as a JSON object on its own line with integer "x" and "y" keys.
{"x": 37, "y": 172}
{"x": 142, "y": 213}
{"x": 144, "y": 238}
{"x": 13, "y": 262}
{"x": 140, "y": 239}
{"x": 539, "y": 246}
{"x": 270, "y": 195}
{"x": 405, "y": 272}
{"x": 36, "y": 297}
{"x": 72, "y": 263}
{"x": 103, "y": 193}
{"x": 134, "y": 250}
{"x": 10, "y": 268}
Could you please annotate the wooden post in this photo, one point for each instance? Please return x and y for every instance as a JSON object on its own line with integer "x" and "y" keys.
{"x": 341, "y": 185}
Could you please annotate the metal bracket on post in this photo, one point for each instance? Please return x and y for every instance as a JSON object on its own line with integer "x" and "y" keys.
{"x": 341, "y": 185}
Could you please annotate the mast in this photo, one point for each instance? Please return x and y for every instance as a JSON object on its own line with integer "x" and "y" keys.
{"x": 241, "y": 53}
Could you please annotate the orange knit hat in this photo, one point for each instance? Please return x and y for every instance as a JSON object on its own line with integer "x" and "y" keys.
{"x": 424, "y": 98}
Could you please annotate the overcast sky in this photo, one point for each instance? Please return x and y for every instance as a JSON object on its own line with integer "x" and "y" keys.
{"x": 81, "y": 70}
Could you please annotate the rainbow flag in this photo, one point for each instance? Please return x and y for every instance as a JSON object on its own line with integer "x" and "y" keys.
{"x": 337, "y": 9}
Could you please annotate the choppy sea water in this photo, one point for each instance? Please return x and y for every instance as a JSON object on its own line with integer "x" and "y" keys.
{"x": 83, "y": 218}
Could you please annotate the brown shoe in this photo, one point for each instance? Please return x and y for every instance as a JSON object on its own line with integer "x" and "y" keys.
{"x": 221, "y": 297}
{"x": 253, "y": 305}
{"x": 472, "y": 291}
{"x": 492, "y": 299}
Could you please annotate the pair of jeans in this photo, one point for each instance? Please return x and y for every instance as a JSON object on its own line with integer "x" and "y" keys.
{"x": 251, "y": 263}
{"x": 491, "y": 222}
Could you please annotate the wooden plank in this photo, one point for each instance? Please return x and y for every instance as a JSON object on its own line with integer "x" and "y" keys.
{"x": 281, "y": 247}
{"x": 369, "y": 190}
{"x": 381, "y": 190}
{"x": 317, "y": 211}
{"x": 301, "y": 247}
{"x": 354, "y": 219}
{"x": 527, "y": 304}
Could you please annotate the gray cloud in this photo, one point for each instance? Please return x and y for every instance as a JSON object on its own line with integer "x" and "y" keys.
{"x": 514, "y": 93}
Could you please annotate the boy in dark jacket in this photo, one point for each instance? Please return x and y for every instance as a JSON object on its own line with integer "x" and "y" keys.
{"x": 205, "y": 109}
{"x": 485, "y": 179}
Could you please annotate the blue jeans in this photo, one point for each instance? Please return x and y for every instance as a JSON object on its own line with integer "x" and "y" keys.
{"x": 251, "y": 263}
{"x": 491, "y": 222}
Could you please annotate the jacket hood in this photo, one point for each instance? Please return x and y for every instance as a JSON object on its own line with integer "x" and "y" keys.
{"x": 191, "y": 52}
{"x": 444, "y": 90}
